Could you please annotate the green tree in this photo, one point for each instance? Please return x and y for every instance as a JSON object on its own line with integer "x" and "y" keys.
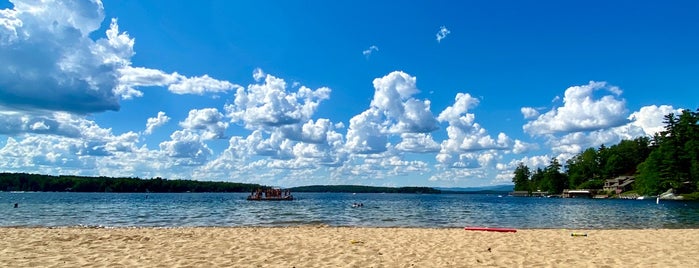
{"x": 521, "y": 178}
{"x": 555, "y": 181}
{"x": 673, "y": 160}
{"x": 537, "y": 181}
{"x": 583, "y": 167}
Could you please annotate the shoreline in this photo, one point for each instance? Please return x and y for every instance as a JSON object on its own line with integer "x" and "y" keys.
{"x": 326, "y": 246}
{"x": 302, "y": 226}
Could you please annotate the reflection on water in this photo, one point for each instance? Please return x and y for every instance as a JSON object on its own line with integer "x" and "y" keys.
{"x": 379, "y": 210}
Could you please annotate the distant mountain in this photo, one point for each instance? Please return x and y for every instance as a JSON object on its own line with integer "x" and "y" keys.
{"x": 481, "y": 189}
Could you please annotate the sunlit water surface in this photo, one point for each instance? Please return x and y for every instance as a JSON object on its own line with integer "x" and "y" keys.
{"x": 379, "y": 210}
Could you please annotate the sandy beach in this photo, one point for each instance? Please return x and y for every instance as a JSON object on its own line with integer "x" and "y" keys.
{"x": 320, "y": 246}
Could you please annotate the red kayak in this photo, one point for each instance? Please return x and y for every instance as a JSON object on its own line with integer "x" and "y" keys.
{"x": 491, "y": 229}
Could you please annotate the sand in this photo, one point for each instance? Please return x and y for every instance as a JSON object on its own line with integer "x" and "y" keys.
{"x": 320, "y": 246}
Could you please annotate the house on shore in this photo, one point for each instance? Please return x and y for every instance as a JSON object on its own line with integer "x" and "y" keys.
{"x": 619, "y": 184}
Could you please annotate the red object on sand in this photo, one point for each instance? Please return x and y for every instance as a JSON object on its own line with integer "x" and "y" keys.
{"x": 491, "y": 229}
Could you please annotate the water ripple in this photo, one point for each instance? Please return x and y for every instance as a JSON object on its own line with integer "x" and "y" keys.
{"x": 378, "y": 210}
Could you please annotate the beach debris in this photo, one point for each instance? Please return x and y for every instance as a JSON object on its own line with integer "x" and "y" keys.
{"x": 489, "y": 250}
{"x": 578, "y": 234}
{"x": 490, "y": 229}
{"x": 356, "y": 241}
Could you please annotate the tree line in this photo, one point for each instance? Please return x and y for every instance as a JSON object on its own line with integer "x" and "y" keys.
{"x": 49, "y": 183}
{"x": 668, "y": 160}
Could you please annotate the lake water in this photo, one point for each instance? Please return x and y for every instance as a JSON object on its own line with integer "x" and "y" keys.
{"x": 379, "y": 210}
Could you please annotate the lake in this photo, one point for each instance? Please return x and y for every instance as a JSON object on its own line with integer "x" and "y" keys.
{"x": 49, "y": 209}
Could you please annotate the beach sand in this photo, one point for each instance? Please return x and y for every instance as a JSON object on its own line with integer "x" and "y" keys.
{"x": 320, "y": 246}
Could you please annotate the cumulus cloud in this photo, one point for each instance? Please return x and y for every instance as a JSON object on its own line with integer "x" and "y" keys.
{"x": 132, "y": 77}
{"x": 529, "y": 112}
{"x": 50, "y": 62}
{"x": 370, "y": 50}
{"x": 585, "y": 121}
{"x": 465, "y": 135}
{"x": 365, "y": 135}
{"x": 271, "y": 105}
{"x": 258, "y": 74}
{"x": 581, "y": 111}
{"x": 645, "y": 123}
{"x": 521, "y": 147}
{"x": 48, "y": 123}
{"x": 417, "y": 143}
{"x": 65, "y": 143}
{"x": 155, "y": 122}
{"x": 650, "y": 118}
{"x": 393, "y": 97}
{"x": 208, "y": 120}
{"x": 443, "y": 32}
{"x": 393, "y": 110}
{"x": 186, "y": 148}
{"x": 459, "y": 176}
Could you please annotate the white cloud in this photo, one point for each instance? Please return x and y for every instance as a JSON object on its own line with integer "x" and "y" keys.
{"x": 200, "y": 85}
{"x": 258, "y": 74}
{"x": 465, "y": 135}
{"x": 529, "y": 112}
{"x": 186, "y": 148}
{"x": 76, "y": 146}
{"x": 582, "y": 112}
{"x": 131, "y": 77}
{"x": 459, "y": 177}
{"x": 393, "y": 110}
{"x": 50, "y": 62}
{"x": 417, "y": 143}
{"x": 44, "y": 122}
{"x": 521, "y": 147}
{"x": 365, "y": 133}
{"x": 587, "y": 122}
{"x": 393, "y": 97}
{"x": 650, "y": 118}
{"x": 208, "y": 120}
{"x": 155, "y": 122}
{"x": 316, "y": 132}
{"x": 533, "y": 162}
{"x": 370, "y": 50}
{"x": 271, "y": 105}
{"x": 443, "y": 32}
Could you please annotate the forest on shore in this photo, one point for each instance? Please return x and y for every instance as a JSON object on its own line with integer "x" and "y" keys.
{"x": 668, "y": 160}
{"x": 48, "y": 183}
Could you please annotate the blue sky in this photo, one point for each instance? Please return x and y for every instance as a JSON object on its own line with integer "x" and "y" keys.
{"x": 287, "y": 93}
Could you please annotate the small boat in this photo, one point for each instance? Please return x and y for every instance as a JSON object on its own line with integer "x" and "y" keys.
{"x": 273, "y": 194}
